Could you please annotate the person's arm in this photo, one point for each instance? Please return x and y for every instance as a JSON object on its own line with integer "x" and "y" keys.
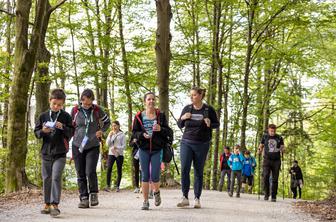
{"x": 38, "y": 130}
{"x": 68, "y": 128}
{"x": 122, "y": 142}
{"x": 282, "y": 145}
{"x": 109, "y": 141}
{"x": 261, "y": 146}
{"x": 105, "y": 119}
{"x": 137, "y": 130}
{"x": 180, "y": 122}
{"x": 230, "y": 162}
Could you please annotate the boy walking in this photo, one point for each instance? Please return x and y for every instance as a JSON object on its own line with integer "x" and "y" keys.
{"x": 248, "y": 171}
{"x": 236, "y": 164}
{"x": 225, "y": 169}
{"x": 54, "y": 126}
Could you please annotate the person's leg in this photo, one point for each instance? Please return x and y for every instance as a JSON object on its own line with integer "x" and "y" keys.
{"x": 200, "y": 154}
{"x": 109, "y": 170}
{"x": 228, "y": 174}
{"x": 120, "y": 161}
{"x": 186, "y": 156}
{"x": 294, "y": 190}
{"x": 57, "y": 170}
{"x": 80, "y": 165}
{"x": 91, "y": 169}
{"x": 46, "y": 177}
{"x": 233, "y": 178}
{"x": 136, "y": 172}
{"x": 300, "y": 191}
{"x": 144, "y": 163}
{"x": 275, "y": 166}
{"x": 266, "y": 174}
{"x": 238, "y": 182}
{"x": 155, "y": 160}
{"x": 250, "y": 183}
{"x": 221, "y": 181}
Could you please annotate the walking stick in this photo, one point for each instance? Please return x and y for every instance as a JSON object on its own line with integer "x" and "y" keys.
{"x": 259, "y": 155}
{"x": 283, "y": 177}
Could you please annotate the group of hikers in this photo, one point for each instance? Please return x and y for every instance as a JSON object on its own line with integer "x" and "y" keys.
{"x": 87, "y": 123}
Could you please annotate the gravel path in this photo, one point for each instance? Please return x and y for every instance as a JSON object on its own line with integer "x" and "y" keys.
{"x": 125, "y": 206}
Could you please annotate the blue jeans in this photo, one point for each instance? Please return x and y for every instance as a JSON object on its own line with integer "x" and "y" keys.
{"x": 196, "y": 153}
{"x": 150, "y": 163}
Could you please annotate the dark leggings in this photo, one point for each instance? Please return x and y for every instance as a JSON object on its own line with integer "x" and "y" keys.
{"x": 294, "y": 190}
{"x": 136, "y": 164}
{"x": 110, "y": 162}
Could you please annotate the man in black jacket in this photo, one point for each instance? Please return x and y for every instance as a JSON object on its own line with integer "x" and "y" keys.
{"x": 55, "y": 128}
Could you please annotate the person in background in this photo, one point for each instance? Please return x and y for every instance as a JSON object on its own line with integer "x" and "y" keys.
{"x": 296, "y": 179}
{"x": 235, "y": 162}
{"x": 225, "y": 169}
{"x": 116, "y": 143}
{"x": 136, "y": 163}
{"x": 249, "y": 165}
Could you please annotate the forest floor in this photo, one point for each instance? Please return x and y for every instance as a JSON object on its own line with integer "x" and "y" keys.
{"x": 125, "y": 206}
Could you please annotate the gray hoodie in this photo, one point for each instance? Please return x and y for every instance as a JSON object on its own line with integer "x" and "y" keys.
{"x": 97, "y": 116}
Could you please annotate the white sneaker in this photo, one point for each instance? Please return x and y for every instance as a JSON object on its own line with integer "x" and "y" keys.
{"x": 197, "y": 203}
{"x": 137, "y": 190}
{"x": 184, "y": 202}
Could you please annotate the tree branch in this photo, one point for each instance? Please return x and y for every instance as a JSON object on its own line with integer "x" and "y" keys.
{"x": 53, "y": 8}
{"x": 7, "y": 12}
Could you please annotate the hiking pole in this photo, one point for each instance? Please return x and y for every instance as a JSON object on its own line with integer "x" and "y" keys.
{"x": 283, "y": 176}
{"x": 259, "y": 175}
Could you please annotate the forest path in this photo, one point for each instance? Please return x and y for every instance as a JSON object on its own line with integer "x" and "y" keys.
{"x": 125, "y": 206}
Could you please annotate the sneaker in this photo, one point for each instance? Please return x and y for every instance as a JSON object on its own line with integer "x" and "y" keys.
{"x": 157, "y": 198}
{"x": 150, "y": 195}
{"x": 184, "y": 202}
{"x": 46, "y": 209}
{"x": 54, "y": 211}
{"x": 197, "y": 203}
{"x": 137, "y": 190}
{"x": 273, "y": 199}
{"x": 84, "y": 203}
{"x": 145, "y": 205}
{"x": 238, "y": 195}
{"x": 94, "y": 199}
{"x": 107, "y": 189}
{"x": 266, "y": 198}
{"x": 117, "y": 189}
{"x": 230, "y": 194}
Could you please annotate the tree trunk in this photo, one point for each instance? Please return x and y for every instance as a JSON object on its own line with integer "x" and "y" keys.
{"x": 248, "y": 58}
{"x": 163, "y": 56}
{"x": 24, "y": 61}
{"x": 126, "y": 73}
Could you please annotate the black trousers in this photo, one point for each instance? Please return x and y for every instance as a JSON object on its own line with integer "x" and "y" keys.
{"x": 136, "y": 165}
{"x": 294, "y": 190}
{"x": 86, "y": 164}
{"x": 268, "y": 167}
{"x": 110, "y": 162}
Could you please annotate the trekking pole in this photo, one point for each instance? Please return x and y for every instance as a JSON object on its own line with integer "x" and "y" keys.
{"x": 259, "y": 175}
{"x": 283, "y": 177}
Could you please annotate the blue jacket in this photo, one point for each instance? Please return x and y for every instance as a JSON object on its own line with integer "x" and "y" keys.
{"x": 249, "y": 165}
{"x": 236, "y": 162}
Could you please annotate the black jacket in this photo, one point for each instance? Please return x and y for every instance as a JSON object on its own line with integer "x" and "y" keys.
{"x": 158, "y": 140}
{"x": 55, "y": 144}
{"x": 296, "y": 173}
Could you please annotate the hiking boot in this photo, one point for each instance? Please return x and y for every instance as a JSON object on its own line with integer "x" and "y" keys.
{"x": 84, "y": 203}
{"x": 117, "y": 189}
{"x": 94, "y": 199}
{"x": 238, "y": 195}
{"x": 145, "y": 205}
{"x": 46, "y": 209}
{"x": 230, "y": 194}
{"x": 137, "y": 190}
{"x": 273, "y": 199}
{"x": 150, "y": 195}
{"x": 266, "y": 198}
{"x": 157, "y": 198}
{"x": 197, "y": 203}
{"x": 54, "y": 211}
{"x": 184, "y": 202}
